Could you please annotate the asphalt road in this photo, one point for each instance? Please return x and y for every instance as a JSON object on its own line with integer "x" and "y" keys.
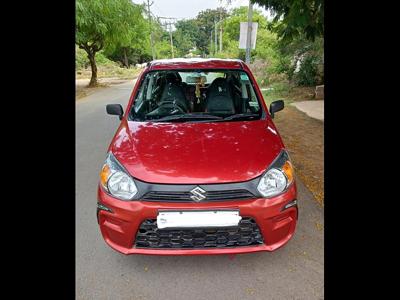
{"x": 292, "y": 272}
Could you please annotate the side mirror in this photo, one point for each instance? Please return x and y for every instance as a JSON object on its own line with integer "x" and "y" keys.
{"x": 275, "y": 107}
{"x": 115, "y": 109}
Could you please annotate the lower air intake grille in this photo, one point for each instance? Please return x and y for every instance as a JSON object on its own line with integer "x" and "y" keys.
{"x": 246, "y": 234}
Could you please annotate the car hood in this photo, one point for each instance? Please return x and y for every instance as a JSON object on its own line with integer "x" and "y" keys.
{"x": 196, "y": 153}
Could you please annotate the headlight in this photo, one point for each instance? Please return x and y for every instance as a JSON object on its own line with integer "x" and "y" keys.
{"x": 278, "y": 177}
{"x": 116, "y": 180}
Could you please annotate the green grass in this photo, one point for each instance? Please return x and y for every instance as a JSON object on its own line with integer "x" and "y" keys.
{"x": 287, "y": 92}
{"x": 279, "y": 91}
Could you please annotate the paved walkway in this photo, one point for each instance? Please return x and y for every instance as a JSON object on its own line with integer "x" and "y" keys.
{"x": 313, "y": 108}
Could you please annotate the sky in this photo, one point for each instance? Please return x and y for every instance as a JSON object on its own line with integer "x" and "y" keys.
{"x": 187, "y": 9}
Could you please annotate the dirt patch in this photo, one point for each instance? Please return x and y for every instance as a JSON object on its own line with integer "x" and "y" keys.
{"x": 304, "y": 138}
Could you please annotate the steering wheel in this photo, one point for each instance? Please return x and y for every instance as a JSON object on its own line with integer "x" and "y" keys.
{"x": 170, "y": 104}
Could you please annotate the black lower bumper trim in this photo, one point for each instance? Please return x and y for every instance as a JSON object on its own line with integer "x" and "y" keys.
{"x": 246, "y": 234}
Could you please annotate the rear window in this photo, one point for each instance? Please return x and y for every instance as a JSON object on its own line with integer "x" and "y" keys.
{"x": 196, "y": 95}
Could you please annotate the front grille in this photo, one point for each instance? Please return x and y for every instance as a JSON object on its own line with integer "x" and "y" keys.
{"x": 246, "y": 234}
{"x": 210, "y": 196}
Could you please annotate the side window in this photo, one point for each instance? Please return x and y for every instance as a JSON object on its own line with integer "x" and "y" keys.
{"x": 140, "y": 95}
{"x": 146, "y": 92}
{"x": 249, "y": 93}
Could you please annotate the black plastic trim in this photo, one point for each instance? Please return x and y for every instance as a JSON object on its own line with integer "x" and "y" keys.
{"x": 247, "y": 233}
{"x": 144, "y": 188}
{"x": 102, "y": 207}
{"x": 294, "y": 205}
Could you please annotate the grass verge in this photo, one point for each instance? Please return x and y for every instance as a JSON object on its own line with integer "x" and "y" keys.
{"x": 109, "y": 71}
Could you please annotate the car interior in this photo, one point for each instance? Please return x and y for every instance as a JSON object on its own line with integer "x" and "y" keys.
{"x": 218, "y": 93}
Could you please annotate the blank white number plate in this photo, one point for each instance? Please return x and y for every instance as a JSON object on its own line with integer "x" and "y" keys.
{"x": 187, "y": 219}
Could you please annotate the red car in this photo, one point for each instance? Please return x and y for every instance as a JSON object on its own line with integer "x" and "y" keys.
{"x": 196, "y": 166}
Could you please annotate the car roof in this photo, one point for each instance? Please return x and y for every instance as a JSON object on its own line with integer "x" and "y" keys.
{"x": 195, "y": 63}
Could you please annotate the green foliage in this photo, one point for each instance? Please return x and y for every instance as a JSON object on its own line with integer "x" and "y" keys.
{"x": 185, "y": 36}
{"x": 237, "y": 15}
{"x": 265, "y": 56}
{"x": 308, "y": 55}
{"x": 163, "y": 49}
{"x": 308, "y": 71}
{"x": 101, "y": 59}
{"x": 205, "y": 22}
{"x": 117, "y": 30}
{"x": 135, "y": 49}
{"x": 106, "y": 23}
{"x": 298, "y": 17}
{"x": 81, "y": 60}
{"x": 295, "y": 37}
{"x": 277, "y": 90}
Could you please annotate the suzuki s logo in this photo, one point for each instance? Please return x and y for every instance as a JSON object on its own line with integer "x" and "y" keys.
{"x": 198, "y": 194}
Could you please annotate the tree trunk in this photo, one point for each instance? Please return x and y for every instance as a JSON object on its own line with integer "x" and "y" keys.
{"x": 92, "y": 60}
{"x": 126, "y": 62}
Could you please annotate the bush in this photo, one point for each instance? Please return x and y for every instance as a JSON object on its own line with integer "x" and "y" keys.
{"x": 265, "y": 72}
{"x": 101, "y": 59}
{"x": 81, "y": 60}
{"x": 259, "y": 69}
{"x": 308, "y": 72}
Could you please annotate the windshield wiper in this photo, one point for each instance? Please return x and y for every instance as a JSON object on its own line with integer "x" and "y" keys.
{"x": 186, "y": 117}
{"x": 242, "y": 116}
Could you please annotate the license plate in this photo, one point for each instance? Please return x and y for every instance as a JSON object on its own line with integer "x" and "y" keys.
{"x": 192, "y": 219}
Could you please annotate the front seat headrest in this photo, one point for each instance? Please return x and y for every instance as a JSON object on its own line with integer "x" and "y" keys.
{"x": 219, "y": 100}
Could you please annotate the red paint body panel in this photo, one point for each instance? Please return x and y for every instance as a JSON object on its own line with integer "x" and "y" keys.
{"x": 176, "y": 64}
{"x": 196, "y": 153}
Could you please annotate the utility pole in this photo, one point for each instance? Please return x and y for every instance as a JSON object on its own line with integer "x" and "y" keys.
{"x": 220, "y": 36}
{"x": 215, "y": 37}
{"x": 220, "y": 31}
{"x": 151, "y": 30}
{"x": 170, "y": 37}
{"x": 170, "y": 32}
{"x": 211, "y": 42}
{"x": 249, "y": 30}
{"x": 172, "y": 43}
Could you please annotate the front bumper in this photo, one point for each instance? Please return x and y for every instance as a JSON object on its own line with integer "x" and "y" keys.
{"x": 120, "y": 225}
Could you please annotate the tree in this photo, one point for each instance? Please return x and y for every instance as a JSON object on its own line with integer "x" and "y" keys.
{"x": 296, "y": 17}
{"x": 205, "y": 22}
{"x": 136, "y": 49}
{"x": 185, "y": 35}
{"x": 101, "y": 23}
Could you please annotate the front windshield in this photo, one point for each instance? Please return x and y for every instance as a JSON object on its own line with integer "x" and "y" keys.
{"x": 200, "y": 95}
